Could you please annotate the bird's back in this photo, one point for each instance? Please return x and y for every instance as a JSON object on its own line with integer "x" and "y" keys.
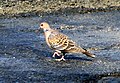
{"x": 59, "y": 41}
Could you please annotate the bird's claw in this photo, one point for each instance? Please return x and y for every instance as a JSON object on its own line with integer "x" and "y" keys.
{"x": 56, "y": 53}
{"x": 61, "y": 59}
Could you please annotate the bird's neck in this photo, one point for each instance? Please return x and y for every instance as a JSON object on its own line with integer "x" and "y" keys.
{"x": 47, "y": 34}
{"x": 46, "y": 30}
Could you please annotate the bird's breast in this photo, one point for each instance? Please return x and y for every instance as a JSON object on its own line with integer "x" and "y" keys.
{"x": 47, "y": 34}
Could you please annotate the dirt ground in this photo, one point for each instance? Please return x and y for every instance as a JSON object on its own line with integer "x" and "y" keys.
{"x": 92, "y": 24}
{"x": 25, "y": 57}
{"x": 41, "y": 7}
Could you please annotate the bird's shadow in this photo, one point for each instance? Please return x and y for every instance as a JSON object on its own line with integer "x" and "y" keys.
{"x": 42, "y": 54}
{"x": 72, "y": 57}
{"x": 49, "y": 54}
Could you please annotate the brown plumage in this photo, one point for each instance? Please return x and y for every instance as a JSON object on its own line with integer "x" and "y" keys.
{"x": 61, "y": 43}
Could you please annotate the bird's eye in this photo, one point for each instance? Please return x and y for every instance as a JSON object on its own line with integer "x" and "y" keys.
{"x": 41, "y": 25}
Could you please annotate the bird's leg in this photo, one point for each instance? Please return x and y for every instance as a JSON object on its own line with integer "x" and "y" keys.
{"x": 61, "y": 59}
{"x": 56, "y": 53}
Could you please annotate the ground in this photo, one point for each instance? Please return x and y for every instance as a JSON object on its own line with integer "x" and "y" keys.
{"x": 92, "y": 24}
{"x": 42, "y": 7}
{"x": 25, "y": 57}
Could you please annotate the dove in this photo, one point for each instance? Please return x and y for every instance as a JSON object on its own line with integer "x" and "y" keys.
{"x": 61, "y": 43}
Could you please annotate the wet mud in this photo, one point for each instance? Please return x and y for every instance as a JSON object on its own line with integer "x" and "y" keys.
{"x": 25, "y": 57}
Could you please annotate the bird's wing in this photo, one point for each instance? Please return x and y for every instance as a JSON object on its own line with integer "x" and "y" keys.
{"x": 73, "y": 47}
{"x": 61, "y": 42}
{"x": 58, "y": 41}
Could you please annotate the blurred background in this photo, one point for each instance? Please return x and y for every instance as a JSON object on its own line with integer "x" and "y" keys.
{"x": 40, "y": 7}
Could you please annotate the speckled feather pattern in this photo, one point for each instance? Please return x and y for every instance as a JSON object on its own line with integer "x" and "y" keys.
{"x": 61, "y": 42}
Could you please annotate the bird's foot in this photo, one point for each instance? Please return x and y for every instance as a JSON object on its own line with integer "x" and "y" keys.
{"x": 56, "y": 53}
{"x": 61, "y": 59}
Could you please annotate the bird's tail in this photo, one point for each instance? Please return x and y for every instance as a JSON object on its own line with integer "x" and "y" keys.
{"x": 89, "y": 54}
{"x": 84, "y": 51}
{"x": 80, "y": 50}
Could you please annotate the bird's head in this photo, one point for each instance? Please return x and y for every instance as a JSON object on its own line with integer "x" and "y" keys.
{"x": 45, "y": 26}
